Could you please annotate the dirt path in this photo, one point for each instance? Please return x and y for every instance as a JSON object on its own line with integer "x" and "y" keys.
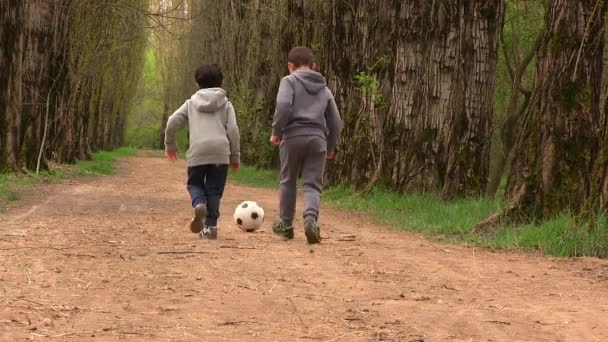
{"x": 92, "y": 261}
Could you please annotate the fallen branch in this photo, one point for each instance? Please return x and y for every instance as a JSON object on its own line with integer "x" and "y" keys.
{"x": 449, "y": 288}
{"x": 235, "y": 323}
{"x": 272, "y": 288}
{"x": 80, "y": 255}
{"x": 347, "y": 238}
{"x": 340, "y": 337}
{"x": 488, "y": 225}
{"x": 297, "y": 313}
{"x": 34, "y": 247}
{"x": 182, "y": 252}
{"x": 29, "y": 301}
{"x": 499, "y": 322}
{"x": 238, "y": 247}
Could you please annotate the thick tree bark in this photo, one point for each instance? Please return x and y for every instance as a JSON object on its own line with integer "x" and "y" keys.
{"x": 11, "y": 23}
{"x": 37, "y": 78}
{"x": 414, "y": 81}
{"x": 551, "y": 168}
{"x": 597, "y": 202}
{"x": 430, "y": 123}
{"x": 51, "y": 55}
{"x": 29, "y": 29}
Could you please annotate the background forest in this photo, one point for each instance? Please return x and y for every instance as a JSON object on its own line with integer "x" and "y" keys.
{"x": 496, "y": 107}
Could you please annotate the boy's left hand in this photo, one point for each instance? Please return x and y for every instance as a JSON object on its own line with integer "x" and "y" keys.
{"x": 275, "y": 140}
{"x": 235, "y": 167}
{"x": 171, "y": 155}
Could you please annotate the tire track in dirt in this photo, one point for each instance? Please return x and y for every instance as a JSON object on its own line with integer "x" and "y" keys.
{"x": 113, "y": 259}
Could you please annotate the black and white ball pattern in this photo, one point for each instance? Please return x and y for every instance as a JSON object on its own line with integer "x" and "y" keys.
{"x": 248, "y": 216}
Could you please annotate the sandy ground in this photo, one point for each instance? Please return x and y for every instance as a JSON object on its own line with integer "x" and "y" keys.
{"x": 112, "y": 258}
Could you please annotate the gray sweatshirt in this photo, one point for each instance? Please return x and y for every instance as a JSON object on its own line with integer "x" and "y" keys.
{"x": 305, "y": 106}
{"x": 214, "y": 134}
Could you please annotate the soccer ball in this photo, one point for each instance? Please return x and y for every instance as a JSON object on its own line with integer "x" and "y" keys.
{"x": 248, "y": 216}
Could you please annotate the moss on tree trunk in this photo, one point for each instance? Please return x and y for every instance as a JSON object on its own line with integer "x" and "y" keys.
{"x": 557, "y": 145}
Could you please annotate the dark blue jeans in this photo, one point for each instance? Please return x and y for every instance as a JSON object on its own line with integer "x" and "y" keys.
{"x": 206, "y": 185}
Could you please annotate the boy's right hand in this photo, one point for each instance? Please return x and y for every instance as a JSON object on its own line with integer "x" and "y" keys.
{"x": 235, "y": 167}
{"x": 171, "y": 155}
{"x": 331, "y": 155}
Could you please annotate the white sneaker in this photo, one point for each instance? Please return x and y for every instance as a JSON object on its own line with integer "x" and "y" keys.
{"x": 200, "y": 214}
{"x": 209, "y": 233}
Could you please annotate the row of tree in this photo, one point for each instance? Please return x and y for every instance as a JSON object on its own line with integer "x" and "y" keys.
{"x": 414, "y": 80}
{"x": 68, "y": 69}
{"x": 415, "y": 83}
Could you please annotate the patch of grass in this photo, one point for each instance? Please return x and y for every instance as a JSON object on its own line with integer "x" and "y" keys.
{"x": 11, "y": 184}
{"x": 8, "y": 194}
{"x": 151, "y": 153}
{"x": 453, "y": 221}
{"x": 561, "y": 236}
{"x": 254, "y": 177}
{"x": 423, "y": 213}
{"x": 103, "y": 163}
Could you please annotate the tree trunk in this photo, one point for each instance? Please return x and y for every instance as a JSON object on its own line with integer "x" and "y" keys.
{"x": 513, "y": 112}
{"x": 28, "y": 38}
{"x": 11, "y": 23}
{"x": 434, "y": 100}
{"x": 51, "y": 56}
{"x": 37, "y": 78}
{"x": 163, "y": 123}
{"x": 597, "y": 203}
{"x": 551, "y": 169}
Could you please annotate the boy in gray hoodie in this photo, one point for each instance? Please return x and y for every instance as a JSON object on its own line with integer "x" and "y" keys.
{"x": 306, "y": 127}
{"x": 214, "y": 144}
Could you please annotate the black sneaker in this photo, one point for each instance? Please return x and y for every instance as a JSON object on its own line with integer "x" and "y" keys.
{"x": 200, "y": 214}
{"x": 209, "y": 233}
{"x": 284, "y": 232}
{"x": 312, "y": 231}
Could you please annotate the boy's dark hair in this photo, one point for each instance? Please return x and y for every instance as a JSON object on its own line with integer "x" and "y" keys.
{"x": 209, "y": 76}
{"x": 300, "y": 56}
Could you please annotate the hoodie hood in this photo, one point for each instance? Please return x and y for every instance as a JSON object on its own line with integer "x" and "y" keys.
{"x": 209, "y": 100}
{"x": 312, "y": 81}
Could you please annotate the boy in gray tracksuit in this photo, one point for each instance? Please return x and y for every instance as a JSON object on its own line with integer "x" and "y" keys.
{"x": 306, "y": 126}
{"x": 214, "y": 144}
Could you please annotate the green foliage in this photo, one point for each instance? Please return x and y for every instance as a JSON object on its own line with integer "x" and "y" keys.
{"x": 562, "y": 236}
{"x": 369, "y": 85}
{"x": 367, "y": 82}
{"x": 81, "y": 60}
{"x": 103, "y": 161}
{"x": 453, "y": 221}
{"x": 182, "y": 142}
{"x": 424, "y": 213}
{"x": 11, "y": 186}
{"x": 255, "y": 148}
{"x": 143, "y": 137}
{"x": 144, "y": 119}
{"x": 255, "y": 177}
{"x": 524, "y": 20}
{"x": 7, "y": 192}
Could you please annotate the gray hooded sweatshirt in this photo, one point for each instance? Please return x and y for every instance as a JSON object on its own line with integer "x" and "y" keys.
{"x": 305, "y": 106}
{"x": 214, "y": 134}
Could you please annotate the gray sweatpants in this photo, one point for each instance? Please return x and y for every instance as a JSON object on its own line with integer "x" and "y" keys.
{"x": 306, "y": 155}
